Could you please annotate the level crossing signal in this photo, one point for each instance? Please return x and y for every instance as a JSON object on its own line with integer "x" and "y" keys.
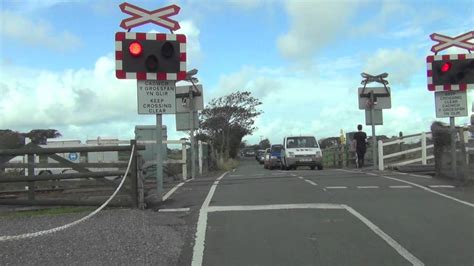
{"x": 150, "y": 56}
{"x": 450, "y": 72}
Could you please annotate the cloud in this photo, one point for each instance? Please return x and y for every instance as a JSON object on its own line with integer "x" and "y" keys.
{"x": 36, "y": 33}
{"x": 306, "y": 103}
{"x": 400, "y": 64}
{"x": 192, "y": 32}
{"x": 313, "y": 26}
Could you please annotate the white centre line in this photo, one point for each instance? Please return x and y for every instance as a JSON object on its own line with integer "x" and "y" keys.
{"x": 175, "y": 210}
{"x": 336, "y": 187}
{"x": 310, "y": 182}
{"x": 198, "y": 250}
{"x": 400, "y": 186}
{"x": 441, "y": 186}
{"x": 300, "y": 177}
{"x": 367, "y": 186}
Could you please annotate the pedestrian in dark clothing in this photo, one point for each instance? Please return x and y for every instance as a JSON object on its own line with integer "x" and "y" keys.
{"x": 361, "y": 145}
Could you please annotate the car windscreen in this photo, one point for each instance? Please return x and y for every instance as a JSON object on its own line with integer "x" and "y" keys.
{"x": 301, "y": 142}
{"x": 276, "y": 148}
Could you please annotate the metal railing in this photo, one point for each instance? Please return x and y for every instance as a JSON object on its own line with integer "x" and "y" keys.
{"x": 422, "y": 138}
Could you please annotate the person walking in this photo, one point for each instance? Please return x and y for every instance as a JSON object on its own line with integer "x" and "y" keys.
{"x": 361, "y": 145}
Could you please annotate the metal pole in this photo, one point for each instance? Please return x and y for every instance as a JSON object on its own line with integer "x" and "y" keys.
{"x": 374, "y": 139}
{"x": 191, "y": 120}
{"x": 453, "y": 146}
{"x": 159, "y": 157}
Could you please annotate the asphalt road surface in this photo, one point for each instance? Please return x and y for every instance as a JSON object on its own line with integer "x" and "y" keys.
{"x": 253, "y": 216}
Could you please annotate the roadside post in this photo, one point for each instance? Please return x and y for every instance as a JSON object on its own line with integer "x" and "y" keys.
{"x": 373, "y": 100}
{"x": 156, "y": 61}
{"x": 449, "y": 77}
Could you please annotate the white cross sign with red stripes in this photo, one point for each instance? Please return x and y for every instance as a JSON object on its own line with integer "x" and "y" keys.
{"x": 141, "y": 16}
{"x": 444, "y": 42}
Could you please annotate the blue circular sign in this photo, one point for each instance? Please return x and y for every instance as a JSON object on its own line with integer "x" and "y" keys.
{"x": 72, "y": 156}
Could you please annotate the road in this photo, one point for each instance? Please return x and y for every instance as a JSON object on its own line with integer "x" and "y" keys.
{"x": 253, "y": 216}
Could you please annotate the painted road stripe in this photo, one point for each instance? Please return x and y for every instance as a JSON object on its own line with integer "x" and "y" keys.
{"x": 327, "y": 206}
{"x": 310, "y": 182}
{"x": 394, "y": 244}
{"x": 198, "y": 250}
{"x": 175, "y": 210}
{"x": 430, "y": 190}
{"x": 167, "y": 195}
{"x": 367, "y": 186}
{"x": 400, "y": 186}
{"x": 300, "y": 177}
{"x": 337, "y": 187}
{"x": 441, "y": 186}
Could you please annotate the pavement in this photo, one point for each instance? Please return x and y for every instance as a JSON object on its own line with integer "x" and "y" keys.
{"x": 254, "y": 216}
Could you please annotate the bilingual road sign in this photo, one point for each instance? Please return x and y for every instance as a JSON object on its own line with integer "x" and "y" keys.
{"x": 141, "y": 16}
{"x": 182, "y": 99}
{"x": 382, "y": 97}
{"x": 451, "y": 104}
{"x": 156, "y": 96}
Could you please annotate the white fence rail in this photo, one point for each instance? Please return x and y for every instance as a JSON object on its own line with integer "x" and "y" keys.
{"x": 423, "y": 159}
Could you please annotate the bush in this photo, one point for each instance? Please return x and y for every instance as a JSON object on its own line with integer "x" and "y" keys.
{"x": 227, "y": 165}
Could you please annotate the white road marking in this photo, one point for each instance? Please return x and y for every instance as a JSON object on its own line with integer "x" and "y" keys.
{"x": 336, "y": 187}
{"x": 300, "y": 177}
{"x": 175, "y": 210}
{"x": 429, "y": 190}
{"x": 293, "y": 174}
{"x": 441, "y": 186}
{"x": 276, "y": 207}
{"x": 310, "y": 182}
{"x": 167, "y": 195}
{"x": 400, "y": 186}
{"x": 198, "y": 250}
{"x": 422, "y": 176}
{"x": 394, "y": 244}
{"x": 367, "y": 186}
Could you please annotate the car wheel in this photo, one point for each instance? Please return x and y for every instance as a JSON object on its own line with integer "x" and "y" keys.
{"x": 320, "y": 167}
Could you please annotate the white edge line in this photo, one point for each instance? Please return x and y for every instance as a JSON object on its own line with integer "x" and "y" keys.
{"x": 167, "y": 195}
{"x": 441, "y": 186}
{"x": 198, "y": 249}
{"x": 394, "y": 244}
{"x": 425, "y": 188}
{"x": 430, "y": 190}
{"x": 175, "y": 210}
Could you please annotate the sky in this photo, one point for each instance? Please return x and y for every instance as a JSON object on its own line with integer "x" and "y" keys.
{"x": 301, "y": 59}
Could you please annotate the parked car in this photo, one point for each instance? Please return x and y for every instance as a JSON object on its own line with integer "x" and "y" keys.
{"x": 274, "y": 157}
{"x": 249, "y": 153}
{"x": 301, "y": 151}
{"x": 259, "y": 156}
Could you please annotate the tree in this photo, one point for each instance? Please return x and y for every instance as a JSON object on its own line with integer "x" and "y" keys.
{"x": 226, "y": 120}
{"x": 264, "y": 144}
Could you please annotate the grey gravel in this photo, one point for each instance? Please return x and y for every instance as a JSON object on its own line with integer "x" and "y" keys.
{"x": 112, "y": 237}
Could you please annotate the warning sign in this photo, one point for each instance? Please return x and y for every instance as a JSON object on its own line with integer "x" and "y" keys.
{"x": 156, "y": 96}
{"x": 451, "y": 104}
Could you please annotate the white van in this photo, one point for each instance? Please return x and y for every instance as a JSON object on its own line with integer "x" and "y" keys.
{"x": 301, "y": 151}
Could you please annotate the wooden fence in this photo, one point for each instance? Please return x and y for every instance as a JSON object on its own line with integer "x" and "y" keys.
{"x": 83, "y": 172}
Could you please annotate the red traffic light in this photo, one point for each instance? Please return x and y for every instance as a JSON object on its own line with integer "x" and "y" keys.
{"x": 135, "y": 48}
{"x": 446, "y": 67}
